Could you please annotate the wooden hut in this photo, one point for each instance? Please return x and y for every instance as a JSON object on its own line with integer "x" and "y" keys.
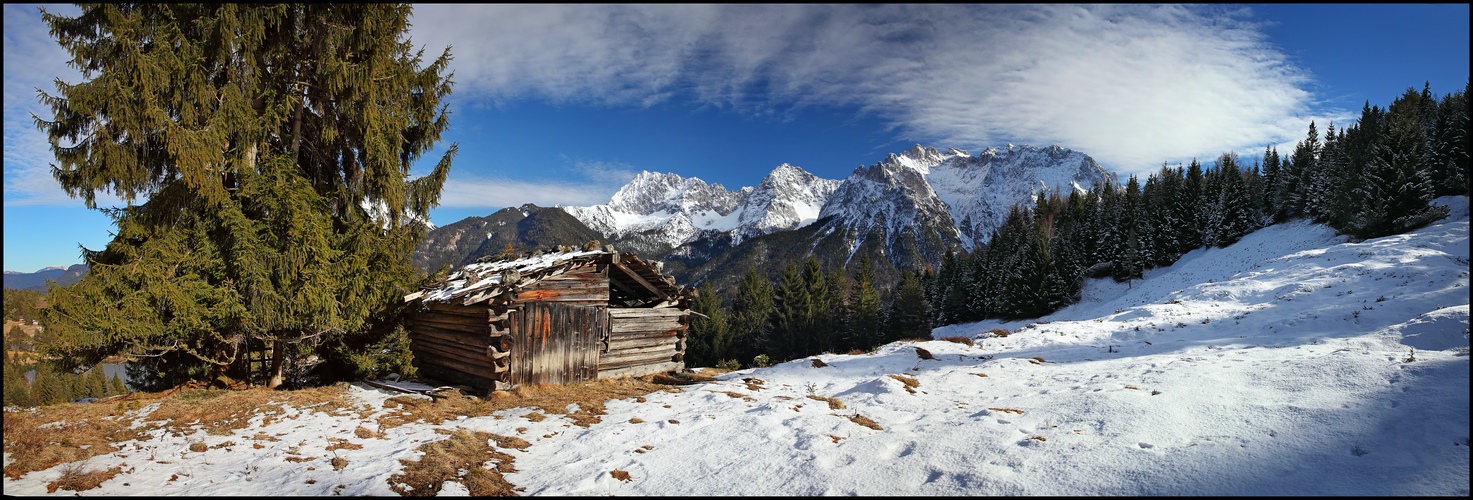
{"x": 552, "y": 318}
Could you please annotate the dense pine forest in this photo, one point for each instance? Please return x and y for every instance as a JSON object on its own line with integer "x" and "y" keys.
{"x": 1373, "y": 178}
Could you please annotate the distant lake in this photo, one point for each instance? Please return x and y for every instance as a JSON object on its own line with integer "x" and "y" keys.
{"x": 108, "y": 369}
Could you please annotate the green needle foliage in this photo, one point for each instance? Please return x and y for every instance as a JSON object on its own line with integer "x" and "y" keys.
{"x": 268, "y": 149}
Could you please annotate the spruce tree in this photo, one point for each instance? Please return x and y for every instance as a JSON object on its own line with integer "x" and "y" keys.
{"x": 116, "y": 386}
{"x": 1449, "y": 149}
{"x": 270, "y": 148}
{"x": 909, "y": 315}
{"x": 749, "y": 312}
{"x": 788, "y": 325}
{"x": 863, "y": 322}
{"x": 17, "y": 390}
{"x": 710, "y": 334}
{"x": 16, "y": 339}
{"x": 48, "y": 388}
{"x": 1395, "y": 187}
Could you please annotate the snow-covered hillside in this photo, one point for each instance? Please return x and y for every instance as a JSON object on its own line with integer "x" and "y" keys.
{"x": 1290, "y": 363}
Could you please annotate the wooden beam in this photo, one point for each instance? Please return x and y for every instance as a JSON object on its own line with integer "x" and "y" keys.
{"x": 637, "y": 279}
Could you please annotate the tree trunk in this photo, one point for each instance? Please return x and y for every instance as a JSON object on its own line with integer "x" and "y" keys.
{"x": 278, "y": 357}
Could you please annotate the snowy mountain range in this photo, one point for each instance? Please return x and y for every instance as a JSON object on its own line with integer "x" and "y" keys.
{"x": 944, "y": 200}
{"x": 905, "y": 211}
{"x": 669, "y": 210}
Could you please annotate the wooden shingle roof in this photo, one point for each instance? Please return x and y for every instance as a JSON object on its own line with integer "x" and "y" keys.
{"x": 479, "y": 282}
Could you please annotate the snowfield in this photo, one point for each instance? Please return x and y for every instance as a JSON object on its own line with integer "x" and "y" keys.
{"x": 1291, "y": 363}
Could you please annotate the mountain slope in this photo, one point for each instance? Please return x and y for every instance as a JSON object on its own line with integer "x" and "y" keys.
{"x": 37, "y": 280}
{"x": 526, "y": 228}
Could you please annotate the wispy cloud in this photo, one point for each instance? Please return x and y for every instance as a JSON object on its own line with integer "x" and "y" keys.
{"x": 588, "y": 183}
{"x": 32, "y": 61}
{"x": 1132, "y": 85}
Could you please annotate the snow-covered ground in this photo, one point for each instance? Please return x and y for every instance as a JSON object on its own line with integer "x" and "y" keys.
{"x": 1291, "y": 363}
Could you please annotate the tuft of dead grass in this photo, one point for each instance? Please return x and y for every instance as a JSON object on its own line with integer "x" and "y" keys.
{"x": 620, "y": 475}
{"x": 338, "y": 463}
{"x": 834, "y": 403}
{"x": 458, "y": 458}
{"x": 363, "y": 433}
{"x": 736, "y": 395}
{"x": 198, "y": 447}
{"x": 754, "y": 384}
{"x": 999, "y": 332}
{"x": 1008, "y": 410}
{"x": 967, "y": 341}
{"x": 342, "y": 444}
{"x": 910, "y": 382}
{"x": 865, "y": 421}
{"x": 76, "y": 478}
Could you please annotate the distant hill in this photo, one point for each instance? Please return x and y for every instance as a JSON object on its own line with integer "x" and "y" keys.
{"x": 526, "y": 228}
{"x": 37, "y": 280}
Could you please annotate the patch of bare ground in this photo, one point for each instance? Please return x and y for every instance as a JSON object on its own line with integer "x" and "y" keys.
{"x": 48, "y": 436}
{"x": 589, "y": 398}
{"x": 52, "y": 435}
{"x": 458, "y": 458}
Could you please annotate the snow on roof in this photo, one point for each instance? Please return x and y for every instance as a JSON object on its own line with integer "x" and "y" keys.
{"x": 487, "y": 277}
{"x": 480, "y": 281}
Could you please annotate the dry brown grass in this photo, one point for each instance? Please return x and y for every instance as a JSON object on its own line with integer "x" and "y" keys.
{"x": 636, "y": 420}
{"x": 999, "y": 332}
{"x": 364, "y": 433}
{"x": 198, "y": 447}
{"x": 865, "y": 421}
{"x": 910, "y": 382}
{"x": 339, "y": 463}
{"x": 620, "y": 475}
{"x": 75, "y": 478}
{"x": 834, "y": 403}
{"x": 1008, "y": 410}
{"x": 754, "y": 384}
{"x": 444, "y": 460}
{"x": 57, "y": 434}
{"x": 342, "y": 444}
{"x": 980, "y": 374}
{"x": 736, "y": 395}
{"x": 960, "y": 340}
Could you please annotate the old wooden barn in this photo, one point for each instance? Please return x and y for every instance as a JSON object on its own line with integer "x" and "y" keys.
{"x": 552, "y": 318}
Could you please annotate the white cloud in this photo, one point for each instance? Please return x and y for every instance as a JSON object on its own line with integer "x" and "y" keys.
{"x": 32, "y": 61}
{"x": 1132, "y": 85}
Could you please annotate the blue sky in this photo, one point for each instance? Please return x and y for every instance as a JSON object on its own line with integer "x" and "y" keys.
{"x": 564, "y": 104}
